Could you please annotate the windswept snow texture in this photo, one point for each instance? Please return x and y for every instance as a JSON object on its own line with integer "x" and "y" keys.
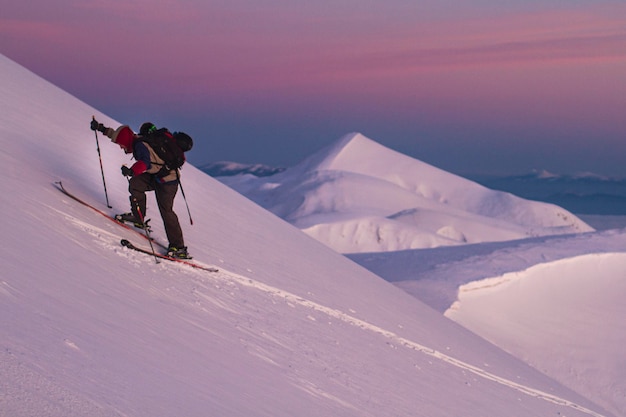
{"x": 287, "y": 327}
{"x": 587, "y": 290}
{"x": 359, "y": 196}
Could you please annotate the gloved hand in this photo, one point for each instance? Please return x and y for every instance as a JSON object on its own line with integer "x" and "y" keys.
{"x": 97, "y": 126}
{"x": 127, "y": 172}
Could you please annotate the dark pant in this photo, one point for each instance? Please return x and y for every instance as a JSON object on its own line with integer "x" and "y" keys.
{"x": 165, "y": 193}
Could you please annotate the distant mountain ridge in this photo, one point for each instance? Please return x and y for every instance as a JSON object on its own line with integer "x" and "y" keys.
{"x": 584, "y": 193}
{"x": 227, "y": 168}
{"x": 356, "y": 195}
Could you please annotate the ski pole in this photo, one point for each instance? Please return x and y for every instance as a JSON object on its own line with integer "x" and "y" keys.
{"x": 145, "y": 229}
{"x": 106, "y": 195}
{"x": 184, "y": 198}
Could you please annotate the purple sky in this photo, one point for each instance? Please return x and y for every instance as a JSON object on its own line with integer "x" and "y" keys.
{"x": 482, "y": 88}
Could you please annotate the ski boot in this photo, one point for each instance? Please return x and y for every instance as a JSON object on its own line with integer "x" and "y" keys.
{"x": 130, "y": 218}
{"x": 178, "y": 252}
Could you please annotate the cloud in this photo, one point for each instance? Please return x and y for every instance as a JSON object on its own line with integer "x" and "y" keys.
{"x": 290, "y": 51}
{"x": 507, "y": 52}
{"x": 32, "y": 29}
{"x": 167, "y": 12}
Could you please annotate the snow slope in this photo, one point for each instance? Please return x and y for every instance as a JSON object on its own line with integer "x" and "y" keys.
{"x": 287, "y": 327}
{"x": 587, "y": 290}
{"x": 359, "y": 196}
{"x": 555, "y": 301}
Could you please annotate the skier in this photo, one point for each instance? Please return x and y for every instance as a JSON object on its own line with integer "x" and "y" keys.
{"x": 143, "y": 177}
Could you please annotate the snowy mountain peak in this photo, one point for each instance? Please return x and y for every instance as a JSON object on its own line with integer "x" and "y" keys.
{"x": 325, "y": 158}
{"x": 357, "y": 195}
{"x": 349, "y": 148}
{"x": 359, "y": 154}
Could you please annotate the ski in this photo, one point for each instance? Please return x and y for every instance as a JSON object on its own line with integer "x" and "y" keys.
{"x": 60, "y": 187}
{"x": 187, "y": 262}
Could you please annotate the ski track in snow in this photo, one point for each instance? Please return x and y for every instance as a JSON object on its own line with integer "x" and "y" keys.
{"x": 399, "y": 340}
{"x": 231, "y": 278}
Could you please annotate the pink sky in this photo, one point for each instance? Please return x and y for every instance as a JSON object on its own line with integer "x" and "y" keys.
{"x": 401, "y": 72}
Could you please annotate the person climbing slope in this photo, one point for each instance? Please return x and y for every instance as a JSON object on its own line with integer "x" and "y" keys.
{"x": 148, "y": 173}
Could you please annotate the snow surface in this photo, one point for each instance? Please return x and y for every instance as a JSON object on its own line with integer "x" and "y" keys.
{"x": 556, "y": 301}
{"x": 288, "y": 327}
{"x": 586, "y": 290}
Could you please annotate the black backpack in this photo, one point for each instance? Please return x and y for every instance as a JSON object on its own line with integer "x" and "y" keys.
{"x": 169, "y": 147}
